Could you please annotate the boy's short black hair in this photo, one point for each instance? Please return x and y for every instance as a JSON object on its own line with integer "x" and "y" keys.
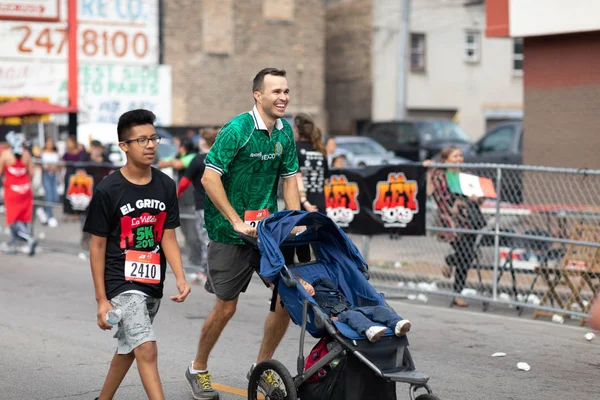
{"x": 259, "y": 79}
{"x": 133, "y": 118}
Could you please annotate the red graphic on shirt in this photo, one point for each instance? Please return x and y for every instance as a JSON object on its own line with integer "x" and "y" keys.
{"x": 142, "y": 232}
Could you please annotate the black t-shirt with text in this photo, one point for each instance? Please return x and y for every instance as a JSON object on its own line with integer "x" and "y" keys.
{"x": 313, "y": 166}
{"x": 194, "y": 173}
{"x": 133, "y": 219}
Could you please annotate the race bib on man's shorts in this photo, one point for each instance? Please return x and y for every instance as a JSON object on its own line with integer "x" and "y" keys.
{"x": 142, "y": 266}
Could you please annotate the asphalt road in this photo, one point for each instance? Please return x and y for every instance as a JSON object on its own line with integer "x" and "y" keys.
{"x": 51, "y": 347}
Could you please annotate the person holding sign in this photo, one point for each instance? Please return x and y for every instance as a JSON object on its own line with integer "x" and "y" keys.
{"x": 455, "y": 210}
{"x": 132, "y": 219}
{"x": 251, "y": 153}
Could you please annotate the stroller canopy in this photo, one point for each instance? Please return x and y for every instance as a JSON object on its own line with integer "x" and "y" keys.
{"x": 274, "y": 232}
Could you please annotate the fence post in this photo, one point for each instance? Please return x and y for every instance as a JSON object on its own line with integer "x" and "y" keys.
{"x": 497, "y": 234}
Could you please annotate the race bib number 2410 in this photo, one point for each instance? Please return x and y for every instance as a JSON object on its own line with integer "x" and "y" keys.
{"x": 142, "y": 266}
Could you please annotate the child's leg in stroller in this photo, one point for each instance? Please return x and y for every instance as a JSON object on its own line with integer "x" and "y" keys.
{"x": 275, "y": 326}
{"x": 211, "y": 330}
{"x": 361, "y": 324}
{"x": 356, "y": 320}
{"x": 387, "y": 317}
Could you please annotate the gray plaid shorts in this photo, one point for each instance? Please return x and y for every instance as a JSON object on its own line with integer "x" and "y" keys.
{"x": 135, "y": 327}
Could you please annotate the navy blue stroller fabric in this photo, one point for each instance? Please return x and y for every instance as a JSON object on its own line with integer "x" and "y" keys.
{"x": 337, "y": 259}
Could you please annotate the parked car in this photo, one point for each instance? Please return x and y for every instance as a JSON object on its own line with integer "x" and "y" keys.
{"x": 362, "y": 151}
{"x": 417, "y": 140}
{"x": 502, "y": 144}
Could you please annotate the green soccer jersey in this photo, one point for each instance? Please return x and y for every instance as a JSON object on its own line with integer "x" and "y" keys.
{"x": 250, "y": 163}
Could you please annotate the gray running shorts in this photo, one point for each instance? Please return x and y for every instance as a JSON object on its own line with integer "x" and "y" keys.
{"x": 229, "y": 271}
{"x": 135, "y": 328}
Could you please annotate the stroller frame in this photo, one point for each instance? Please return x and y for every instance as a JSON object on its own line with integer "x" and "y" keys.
{"x": 388, "y": 359}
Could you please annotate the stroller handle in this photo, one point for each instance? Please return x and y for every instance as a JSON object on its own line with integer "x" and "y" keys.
{"x": 249, "y": 240}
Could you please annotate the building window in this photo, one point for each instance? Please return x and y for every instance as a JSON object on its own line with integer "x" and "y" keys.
{"x": 518, "y": 56}
{"x": 417, "y": 52}
{"x": 472, "y": 46}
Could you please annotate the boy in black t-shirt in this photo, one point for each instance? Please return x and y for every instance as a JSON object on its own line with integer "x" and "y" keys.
{"x": 132, "y": 219}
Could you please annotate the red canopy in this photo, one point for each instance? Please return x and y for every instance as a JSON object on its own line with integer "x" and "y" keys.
{"x": 31, "y": 107}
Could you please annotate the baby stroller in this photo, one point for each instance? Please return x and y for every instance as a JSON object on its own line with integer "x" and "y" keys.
{"x": 353, "y": 366}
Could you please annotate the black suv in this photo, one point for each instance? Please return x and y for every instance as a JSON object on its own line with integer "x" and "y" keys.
{"x": 502, "y": 144}
{"x": 417, "y": 140}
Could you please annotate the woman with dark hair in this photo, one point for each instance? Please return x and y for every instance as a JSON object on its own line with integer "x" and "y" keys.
{"x": 312, "y": 161}
{"x": 17, "y": 166}
{"x": 455, "y": 211}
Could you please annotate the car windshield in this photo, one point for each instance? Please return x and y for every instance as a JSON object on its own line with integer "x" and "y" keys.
{"x": 440, "y": 131}
{"x": 362, "y": 147}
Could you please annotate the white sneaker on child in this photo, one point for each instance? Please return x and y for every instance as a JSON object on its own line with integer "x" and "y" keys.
{"x": 52, "y": 222}
{"x": 402, "y": 327}
{"x": 375, "y": 332}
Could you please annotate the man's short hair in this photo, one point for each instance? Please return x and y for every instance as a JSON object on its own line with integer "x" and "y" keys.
{"x": 259, "y": 79}
{"x": 133, "y": 118}
{"x": 209, "y": 135}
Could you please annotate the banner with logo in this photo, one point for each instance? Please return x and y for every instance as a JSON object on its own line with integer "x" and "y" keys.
{"x": 380, "y": 199}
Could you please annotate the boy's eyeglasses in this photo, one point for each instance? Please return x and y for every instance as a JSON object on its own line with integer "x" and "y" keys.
{"x": 143, "y": 141}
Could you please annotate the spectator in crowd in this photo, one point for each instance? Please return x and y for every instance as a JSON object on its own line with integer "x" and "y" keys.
{"x": 455, "y": 211}
{"x": 16, "y": 165}
{"x": 338, "y": 161}
{"x": 50, "y": 172}
{"x": 186, "y": 153}
{"x": 330, "y": 147}
{"x": 192, "y": 134}
{"x": 312, "y": 161}
{"x": 193, "y": 174}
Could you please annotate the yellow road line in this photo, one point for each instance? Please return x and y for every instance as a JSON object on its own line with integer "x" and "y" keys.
{"x": 233, "y": 390}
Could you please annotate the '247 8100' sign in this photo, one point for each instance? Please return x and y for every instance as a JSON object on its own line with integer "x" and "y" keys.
{"x": 379, "y": 199}
{"x": 115, "y": 31}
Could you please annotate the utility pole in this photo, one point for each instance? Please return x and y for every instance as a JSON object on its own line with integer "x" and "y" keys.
{"x": 403, "y": 49}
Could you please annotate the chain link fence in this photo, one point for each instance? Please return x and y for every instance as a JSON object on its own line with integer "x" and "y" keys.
{"x": 537, "y": 244}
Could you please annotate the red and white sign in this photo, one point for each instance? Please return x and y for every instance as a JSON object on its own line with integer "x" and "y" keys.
{"x": 109, "y": 32}
{"x": 30, "y": 10}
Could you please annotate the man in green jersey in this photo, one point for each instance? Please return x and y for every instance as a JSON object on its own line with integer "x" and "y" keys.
{"x": 251, "y": 153}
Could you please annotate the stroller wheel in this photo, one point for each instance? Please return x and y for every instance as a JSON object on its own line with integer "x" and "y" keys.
{"x": 272, "y": 379}
{"x": 427, "y": 396}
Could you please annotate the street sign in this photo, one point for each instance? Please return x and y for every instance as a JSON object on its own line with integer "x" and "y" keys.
{"x": 30, "y": 10}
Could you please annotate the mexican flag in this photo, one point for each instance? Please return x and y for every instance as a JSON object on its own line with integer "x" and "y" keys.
{"x": 468, "y": 185}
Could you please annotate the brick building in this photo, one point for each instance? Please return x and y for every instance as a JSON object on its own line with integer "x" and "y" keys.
{"x": 215, "y": 48}
{"x": 561, "y": 79}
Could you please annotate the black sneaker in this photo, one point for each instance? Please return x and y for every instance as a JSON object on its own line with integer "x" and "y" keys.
{"x": 200, "y": 384}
